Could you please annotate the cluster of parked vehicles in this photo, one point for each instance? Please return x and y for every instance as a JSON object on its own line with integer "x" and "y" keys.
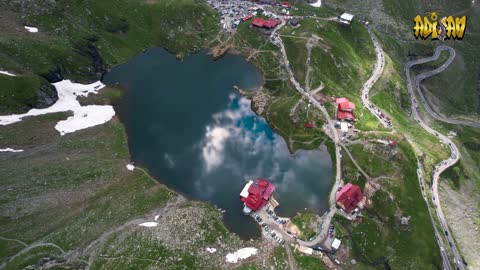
{"x": 331, "y": 229}
{"x": 275, "y": 236}
{"x": 277, "y": 219}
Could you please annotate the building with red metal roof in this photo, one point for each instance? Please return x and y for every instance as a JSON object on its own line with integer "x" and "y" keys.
{"x": 248, "y": 17}
{"x": 258, "y": 22}
{"x": 286, "y": 5}
{"x": 349, "y": 197}
{"x": 271, "y": 23}
{"x": 262, "y": 23}
{"x": 345, "y": 109}
{"x": 347, "y": 116}
{"x": 346, "y": 106}
{"x": 256, "y": 194}
{"x": 341, "y": 100}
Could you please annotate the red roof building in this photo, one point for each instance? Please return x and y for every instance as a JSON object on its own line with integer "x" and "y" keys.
{"x": 309, "y": 125}
{"x": 348, "y": 116}
{"x": 255, "y": 195}
{"x": 346, "y": 106}
{"x": 341, "y": 100}
{"x": 348, "y": 197}
{"x": 286, "y": 5}
{"x": 262, "y": 23}
{"x": 258, "y": 22}
{"x": 248, "y": 17}
{"x": 271, "y": 23}
{"x": 345, "y": 109}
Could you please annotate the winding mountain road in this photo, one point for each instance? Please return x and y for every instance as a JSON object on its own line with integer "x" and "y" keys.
{"x": 430, "y": 73}
{"x": 439, "y": 168}
{"x": 377, "y": 72}
{"x": 455, "y": 154}
{"x": 277, "y": 40}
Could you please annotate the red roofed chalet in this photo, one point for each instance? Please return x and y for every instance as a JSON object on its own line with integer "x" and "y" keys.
{"x": 341, "y": 100}
{"x": 349, "y": 196}
{"x": 286, "y": 5}
{"x": 349, "y": 116}
{"x": 260, "y": 22}
{"x": 345, "y": 109}
{"x": 255, "y": 195}
{"x": 346, "y": 106}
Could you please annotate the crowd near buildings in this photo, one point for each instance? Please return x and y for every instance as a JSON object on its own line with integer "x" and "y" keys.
{"x": 234, "y": 12}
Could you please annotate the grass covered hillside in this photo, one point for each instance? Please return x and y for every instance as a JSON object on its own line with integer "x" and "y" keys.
{"x": 341, "y": 56}
{"x": 69, "y": 202}
{"x": 20, "y": 93}
{"x": 455, "y": 91}
{"x": 81, "y": 39}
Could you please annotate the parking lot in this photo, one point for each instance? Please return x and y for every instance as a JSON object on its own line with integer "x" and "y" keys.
{"x": 273, "y": 227}
{"x": 232, "y": 12}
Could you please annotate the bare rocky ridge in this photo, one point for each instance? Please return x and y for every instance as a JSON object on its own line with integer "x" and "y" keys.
{"x": 463, "y": 220}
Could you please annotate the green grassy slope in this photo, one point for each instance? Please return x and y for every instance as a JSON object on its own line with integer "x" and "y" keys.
{"x": 342, "y": 60}
{"x": 380, "y": 235}
{"x": 256, "y": 47}
{"x": 76, "y": 183}
{"x": 118, "y": 29}
{"x": 81, "y": 39}
{"x": 458, "y": 85}
{"x": 19, "y": 92}
{"x": 73, "y": 190}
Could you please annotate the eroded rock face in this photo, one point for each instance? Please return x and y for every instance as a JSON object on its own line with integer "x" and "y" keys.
{"x": 47, "y": 96}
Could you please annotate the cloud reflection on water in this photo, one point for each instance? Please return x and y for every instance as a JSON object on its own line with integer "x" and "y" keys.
{"x": 236, "y": 138}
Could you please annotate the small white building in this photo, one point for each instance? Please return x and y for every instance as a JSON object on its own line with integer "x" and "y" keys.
{"x": 336, "y": 243}
{"x": 346, "y": 18}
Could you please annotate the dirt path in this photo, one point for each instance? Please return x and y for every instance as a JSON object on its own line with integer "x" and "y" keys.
{"x": 93, "y": 247}
{"x": 355, "y": 162}
{"x": 291, "y": 260}
{"x": 27, "y": 249}
{"x": 14, "y": 240}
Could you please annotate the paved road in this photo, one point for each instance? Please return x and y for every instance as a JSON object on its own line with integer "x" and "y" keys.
{"x": 430, "y": 73}
{"x": 332, "y": 131}
{"x": 442, "y": 166}
{"x": 438, "y": 236}
{"x": 377, "y": 72}
{"x": 379, "y": 66}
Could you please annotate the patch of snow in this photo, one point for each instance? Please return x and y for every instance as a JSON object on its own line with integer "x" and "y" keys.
{"x": 7, "y": 73}
{"x": 31, "y": 29}
{"x": 10, "y": 150}
{"x": 317, "y": 4}
{"x": 241, "y": 254}
{"x": 83, "y": 116}
{"x": 130, "y": 167}
{"x": 156, "y": 217}
{"x": 148, "y": 224}
{"x": 211, "y": 250}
